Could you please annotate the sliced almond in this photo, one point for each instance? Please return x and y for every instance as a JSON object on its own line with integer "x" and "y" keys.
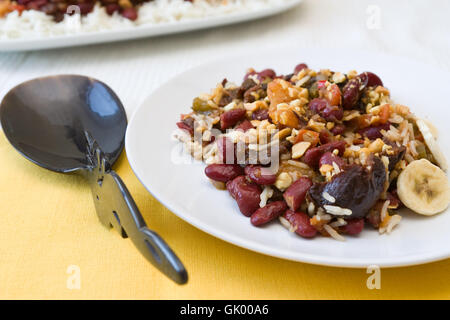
{"x": 299, "y": 149}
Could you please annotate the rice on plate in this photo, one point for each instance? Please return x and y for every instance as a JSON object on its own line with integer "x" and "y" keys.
{"x": 27, "y": 18}
{"x": 322, "y": 152}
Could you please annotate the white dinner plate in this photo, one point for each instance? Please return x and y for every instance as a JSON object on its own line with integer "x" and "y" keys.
{"x": 144, "y": 30}
{"x": 185, "y": 190}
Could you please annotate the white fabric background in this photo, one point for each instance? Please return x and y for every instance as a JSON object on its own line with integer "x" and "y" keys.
{"x": 417, "y": 29}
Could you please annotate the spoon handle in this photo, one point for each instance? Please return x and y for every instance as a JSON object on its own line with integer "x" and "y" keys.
{"x": 116, "y": 208}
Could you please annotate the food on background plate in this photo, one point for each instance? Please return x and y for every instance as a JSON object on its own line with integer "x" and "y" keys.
{"x": 322, "y": 152}
{"x": 30, "y": 18}
{"x": 57, "y": 8}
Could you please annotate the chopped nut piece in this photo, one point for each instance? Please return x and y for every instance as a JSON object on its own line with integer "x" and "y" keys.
{"x": 315, "y": 125}
{"x": 376, "y": 146}
{"x": 299, "y": 149}
{"x": 382, "y": 90}
{"x": 351, "y": 74}
{"x": 282, "y": 134}
{"x": 338, "y": 77}
{"x": 283, "y": 181}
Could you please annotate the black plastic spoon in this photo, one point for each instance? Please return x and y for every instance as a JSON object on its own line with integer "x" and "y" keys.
{"x": 71, "y": 123}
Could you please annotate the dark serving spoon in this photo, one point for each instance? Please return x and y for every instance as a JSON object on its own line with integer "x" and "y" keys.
{"x": 71, "y": 123}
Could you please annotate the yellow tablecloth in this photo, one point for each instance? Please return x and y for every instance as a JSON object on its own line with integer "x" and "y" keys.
{"x": 48, "y": 223}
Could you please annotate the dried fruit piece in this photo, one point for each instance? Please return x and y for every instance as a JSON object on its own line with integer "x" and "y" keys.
{"x": 309, "y": 136}
{"x": 356, "y": 189}
{"x": 278, "y": 92}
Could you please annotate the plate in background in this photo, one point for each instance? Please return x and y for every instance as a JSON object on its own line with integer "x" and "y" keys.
{"x": 142, "y": 31}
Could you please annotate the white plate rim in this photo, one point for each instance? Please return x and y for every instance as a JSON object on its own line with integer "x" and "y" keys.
{"x": 409, "y": 260}
{"x": 141, "y": 31}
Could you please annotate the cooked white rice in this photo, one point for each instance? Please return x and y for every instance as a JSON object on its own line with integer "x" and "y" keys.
{"x": 333, "y": 233}
{"x": 32, "y": 24}
{"x": 265, "y": 196}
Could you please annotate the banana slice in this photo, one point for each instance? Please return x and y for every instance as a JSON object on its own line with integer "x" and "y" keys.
{"x": 434, "y": 131}
{"x": 424, "y": 188}
{"x": 430, "y": 140}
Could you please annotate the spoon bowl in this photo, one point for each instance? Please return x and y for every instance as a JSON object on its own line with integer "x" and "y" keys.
{"x": 46, "y": 119}
{"x": 74, "y": 123}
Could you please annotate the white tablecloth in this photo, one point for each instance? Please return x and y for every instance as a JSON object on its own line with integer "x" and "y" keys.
{"x": 417, "y": 29}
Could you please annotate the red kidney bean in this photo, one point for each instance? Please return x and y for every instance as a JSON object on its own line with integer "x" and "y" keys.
{"x": 249, "y": 94}
{"x": 40, "y": 3}
{"x": 230, "y": 118}
{"x": 370, "y": 79}
{"x": 353, "y": 226}
{"x": 296, "y": 193}
{"x": 260, "y": 175}
{"x": 351, "y": 93}
{"x": 300, "y": 67}
{"x": 49, "y": 8}
{"x": 226, "y": 150}
{"x": 317, "y": 105}
{"x": 268, "y": 213}
{"x": 374, "y": 132}
{"x": 262, "y": 75}
{"x": 266, "y": 73}
{"x": 111, "y": 8}
{"x": 130, "y": 13}
{"x": 325, "y": 136}
{"x": 262, "y": 114}
{"x": 246, "y": 193}
{"x": 301, "y": 223}
{"x": 33, "y": 6}
{"x": 223, "y": 172}
{"x": 338, "y": 129}
{"x": 184, "y": 126}
{"x": 312, "y": 156}
{"x": 244, "y": 125}
{"x": 332, "y": 113}
{"x": 329, "y": 158}
{"x": 328, "y": 112}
